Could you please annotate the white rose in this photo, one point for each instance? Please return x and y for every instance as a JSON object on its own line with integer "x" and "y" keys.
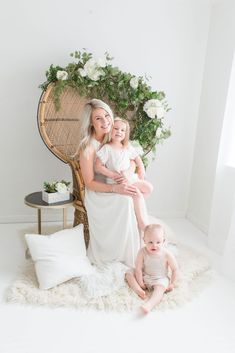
{"x": 160, "y": 112}
{"x": 61, "y": 188}
{"x": 102, "y": 62}
{"x": 95, "y": 74}
{"x": 134, "y": 82}
{"x": 92, "y": 70}
{"x": 153, "y": 108}
{"x": 159, "y": 132}
{"x": 61, "y": 75}
{"x": 82, "y": 72}
{"x": 151, "y": 112}
{"x": 89, "y": 65}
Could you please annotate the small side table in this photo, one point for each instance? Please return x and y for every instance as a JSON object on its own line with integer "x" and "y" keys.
{"x": 35, "y": 200}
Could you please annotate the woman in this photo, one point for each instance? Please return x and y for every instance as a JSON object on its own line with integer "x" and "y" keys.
{"x": 114, "y": 235}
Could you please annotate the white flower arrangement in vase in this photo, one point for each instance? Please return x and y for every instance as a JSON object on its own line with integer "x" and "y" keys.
{"x": 57, "y": 191}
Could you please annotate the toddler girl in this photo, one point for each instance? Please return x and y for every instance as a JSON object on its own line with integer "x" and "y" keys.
{"x": 152, "y": 265}
{"x": 113, "y": 160}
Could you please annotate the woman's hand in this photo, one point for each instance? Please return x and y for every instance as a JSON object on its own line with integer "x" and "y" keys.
{"x": 116, "y": 177}
{"x": 125, "y": 189}
{"x": 120, "y": 178}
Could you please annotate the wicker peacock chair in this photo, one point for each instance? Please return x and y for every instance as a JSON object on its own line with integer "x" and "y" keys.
{"x": 59, "y": 130}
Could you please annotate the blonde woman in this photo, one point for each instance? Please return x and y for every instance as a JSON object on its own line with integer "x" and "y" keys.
{"x": 115, "y": 157}
{"x": 114, "y": 235}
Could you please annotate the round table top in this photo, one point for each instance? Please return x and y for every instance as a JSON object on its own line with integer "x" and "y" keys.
{"x": 35, "y": 200}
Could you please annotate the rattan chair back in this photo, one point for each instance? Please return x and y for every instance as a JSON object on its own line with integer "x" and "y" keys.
{"x": 59, "y": 130}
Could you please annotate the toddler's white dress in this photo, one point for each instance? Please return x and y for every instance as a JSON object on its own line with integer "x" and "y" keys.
{"x": 118, "y": 160}
{"x": 114, "y": 234}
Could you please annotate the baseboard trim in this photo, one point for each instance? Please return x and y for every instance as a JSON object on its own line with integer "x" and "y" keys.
{"x": 56, "y": 216}
{"x": 170, "y": 214}
{"x": 197, "y": 223}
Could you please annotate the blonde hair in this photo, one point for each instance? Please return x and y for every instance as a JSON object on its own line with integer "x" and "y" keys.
{"x": 151, "y": 227}
{"x": 86, "y": 128}
{"x": 125, "y": 141}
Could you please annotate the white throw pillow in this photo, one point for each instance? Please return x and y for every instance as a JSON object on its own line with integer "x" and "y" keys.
{"x": 59, "y": 257}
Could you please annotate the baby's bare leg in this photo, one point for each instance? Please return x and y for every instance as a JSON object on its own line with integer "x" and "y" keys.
{"x": 144, "y": 186}
{"x": 140, "y": 210}
{"x": 133, "y": 284}
{"x": 155, "y": 299}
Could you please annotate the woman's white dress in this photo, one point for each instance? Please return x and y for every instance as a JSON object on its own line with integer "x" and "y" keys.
{"x": 114, "y": 234}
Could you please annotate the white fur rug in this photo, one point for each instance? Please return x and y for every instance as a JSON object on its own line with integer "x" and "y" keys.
{"x": 195, "y": 275}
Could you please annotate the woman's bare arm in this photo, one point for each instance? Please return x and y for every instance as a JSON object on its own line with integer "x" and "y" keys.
{"x": 87, "y": 169}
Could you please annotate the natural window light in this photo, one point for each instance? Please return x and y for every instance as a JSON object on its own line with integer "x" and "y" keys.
{"x": 229, "y": 125}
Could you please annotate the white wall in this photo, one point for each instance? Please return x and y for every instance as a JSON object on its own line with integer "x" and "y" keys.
{"x": 164, "y": 39}
{"x": 211, "y": 185}
{"x": 228, "y": 263}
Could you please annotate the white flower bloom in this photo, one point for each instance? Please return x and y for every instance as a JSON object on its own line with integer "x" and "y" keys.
{"x": 160, "y": 112}
{"x": 151, "y": 112}
{"x": 82, "y": 72}
{"x": 137, "y": 146}
{"x": 102, "y": 62}
{"x": 61, "y": 75}
{"x": 61, "y": 188}
{"x": 159, "y": 132}
{"x": 90, "y": 65}
{"x": 92, "y": 70}
{"x": 153, "y": 108}
{"x": 95, "y": 75}
{"x": 134, "y": 82}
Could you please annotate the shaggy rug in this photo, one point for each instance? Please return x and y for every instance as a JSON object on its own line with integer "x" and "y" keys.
{"x": 76, "y": 293}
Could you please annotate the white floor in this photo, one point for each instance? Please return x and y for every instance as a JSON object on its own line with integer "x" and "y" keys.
{"x": 206, "y": 324}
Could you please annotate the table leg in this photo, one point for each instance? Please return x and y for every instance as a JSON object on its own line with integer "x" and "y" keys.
{"x": 27, "y": 254}
{"x": 39, "y": 221}
{"x": 64, "y": 218}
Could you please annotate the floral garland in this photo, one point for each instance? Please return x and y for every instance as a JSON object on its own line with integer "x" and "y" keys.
{"x": 128, "y": 95}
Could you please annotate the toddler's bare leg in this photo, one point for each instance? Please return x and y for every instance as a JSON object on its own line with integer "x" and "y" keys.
{"x": 144, "y": 186}
{"x": 140, "y": 210}
{"x": 133, "y": 284}
{"x": 155, "y": 299}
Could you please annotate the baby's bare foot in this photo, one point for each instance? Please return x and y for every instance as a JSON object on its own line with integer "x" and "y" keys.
{"x": 141, "y": 293}
{"x": 170, "y": 288}
{"x": 145, "y": 309}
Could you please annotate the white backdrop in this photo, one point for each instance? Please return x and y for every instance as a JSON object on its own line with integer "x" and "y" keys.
{"x": 164, "y": 39}
{"x": 205, "y": 207}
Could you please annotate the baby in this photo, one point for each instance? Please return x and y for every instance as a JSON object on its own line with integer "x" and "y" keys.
{"x": 113, "y": 160}
{"x": 152, "y": 266}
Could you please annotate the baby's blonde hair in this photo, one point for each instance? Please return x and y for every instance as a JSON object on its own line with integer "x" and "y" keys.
{"x": 151, "y": 227}
{"x": 125, "y": 141}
